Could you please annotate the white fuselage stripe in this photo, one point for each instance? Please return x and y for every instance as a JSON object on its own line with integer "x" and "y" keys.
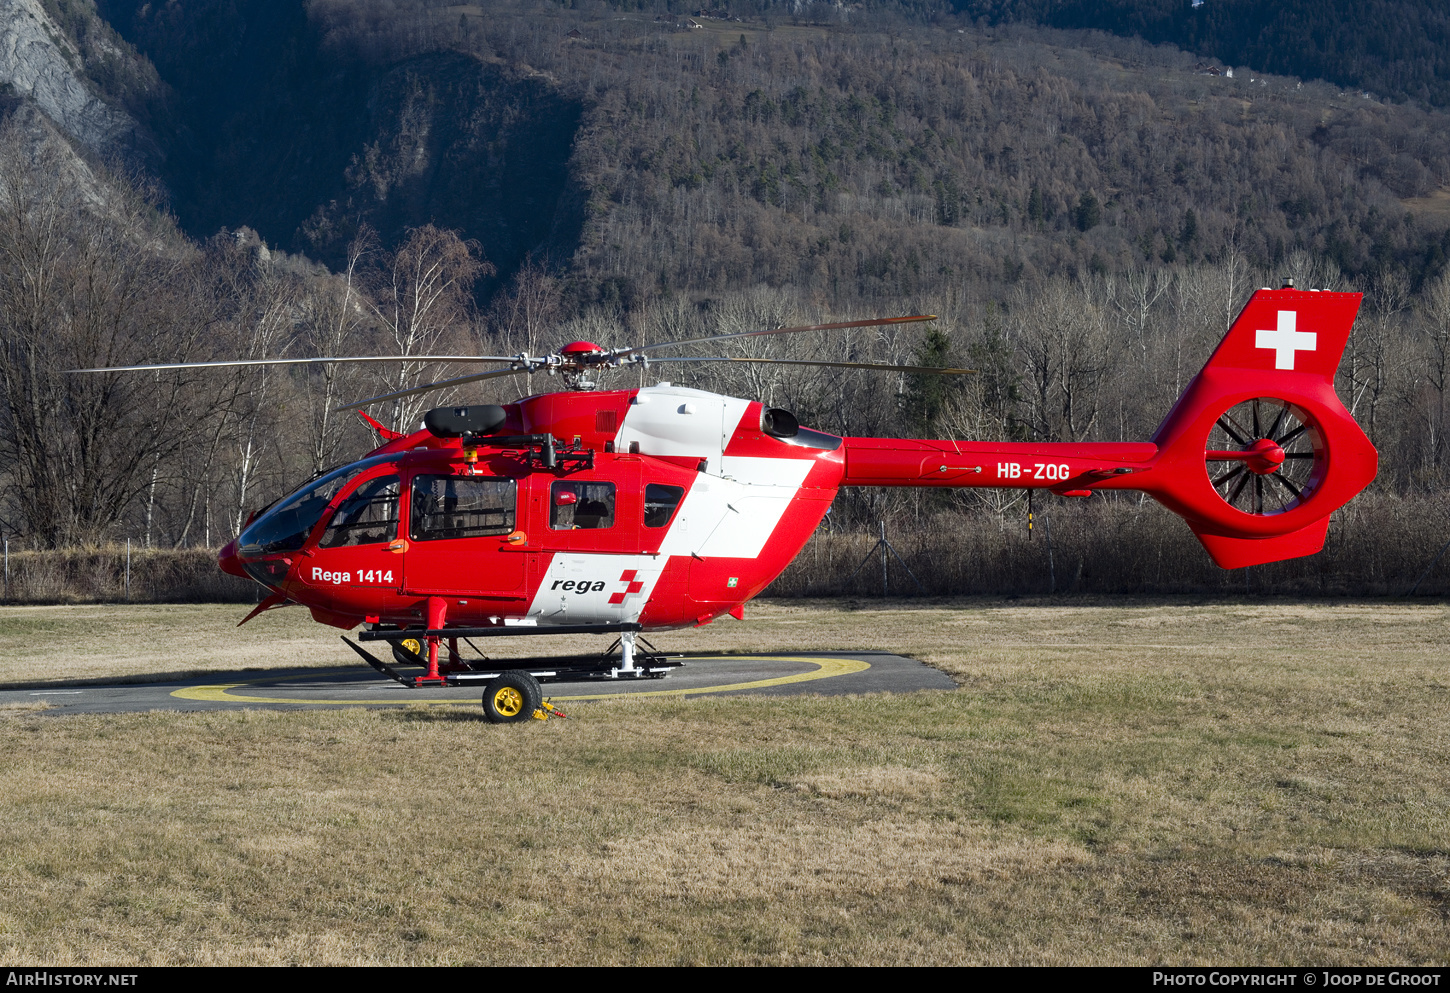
{"x": 730, "y": 511}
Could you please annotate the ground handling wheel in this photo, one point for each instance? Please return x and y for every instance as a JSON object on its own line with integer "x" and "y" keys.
{"x": 410, "y": 651}
{"x": 511, "y": 696}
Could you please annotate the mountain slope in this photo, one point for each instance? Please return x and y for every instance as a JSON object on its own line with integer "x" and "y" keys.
{"x": 1393, "y": 48}
{"x": 305, "y": 143}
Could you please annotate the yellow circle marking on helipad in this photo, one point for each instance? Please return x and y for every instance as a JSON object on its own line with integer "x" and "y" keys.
{"x": 825, "y": 669}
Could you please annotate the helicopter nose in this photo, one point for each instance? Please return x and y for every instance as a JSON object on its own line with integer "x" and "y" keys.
{"x": 229, "y": 562}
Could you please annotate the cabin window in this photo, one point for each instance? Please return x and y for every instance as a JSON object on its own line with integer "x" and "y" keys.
{"x": 461, "y": 507}
{"x": 368, "y": 517}
{"x": 579, "y": 506}
{"x": 660, "y": 502}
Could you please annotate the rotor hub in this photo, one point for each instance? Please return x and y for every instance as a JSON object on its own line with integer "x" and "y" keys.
{"x": 581, "y": 351}
{"x": 1264, "y": 456}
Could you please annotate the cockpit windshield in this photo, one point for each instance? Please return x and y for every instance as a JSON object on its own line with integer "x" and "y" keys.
{"x": 285, "y": 527}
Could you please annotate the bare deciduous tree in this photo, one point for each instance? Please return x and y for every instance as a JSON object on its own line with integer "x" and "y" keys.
{"x": 422, "y": 296}
{"x": 81, "y": 286}
{"x": 1062, "y": 338}
{"x": 334, "y": 322}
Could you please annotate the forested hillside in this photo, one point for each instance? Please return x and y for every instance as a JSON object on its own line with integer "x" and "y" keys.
{"x": 1393, "y": 48}
{"x": 1085, "y": 213}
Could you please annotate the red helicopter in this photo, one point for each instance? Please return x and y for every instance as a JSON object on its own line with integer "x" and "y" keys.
{"x": 624, "y": 511}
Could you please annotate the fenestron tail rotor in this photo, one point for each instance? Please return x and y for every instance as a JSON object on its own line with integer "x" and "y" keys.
{"x": 1264, "y": 456}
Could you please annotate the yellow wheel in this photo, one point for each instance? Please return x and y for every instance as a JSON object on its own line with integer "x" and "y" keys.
{"x": 409, "y": 651}
{"x": 508, "y": 701}
{"x": 511, "y": 696}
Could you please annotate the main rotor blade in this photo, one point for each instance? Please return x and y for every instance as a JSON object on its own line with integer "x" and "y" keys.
{"x": 444, "y": 384}
{"x": 874, "y": 322}
{"x": 317, "y": 361}
{"x": 884, "y": 366}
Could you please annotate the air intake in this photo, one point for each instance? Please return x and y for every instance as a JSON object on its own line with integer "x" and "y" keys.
{"x": 779, "y": 423}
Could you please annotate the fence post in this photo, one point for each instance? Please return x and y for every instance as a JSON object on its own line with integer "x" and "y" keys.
{"x": 7, "y": 567}
{"x": 128, "y": 568}
{"x": 884, "y": 581}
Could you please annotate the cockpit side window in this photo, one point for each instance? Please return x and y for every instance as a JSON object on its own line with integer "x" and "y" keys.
{"x": 284, "y": 527}
{"x": 461, "y": 507}
{"x": 368, "y": 517}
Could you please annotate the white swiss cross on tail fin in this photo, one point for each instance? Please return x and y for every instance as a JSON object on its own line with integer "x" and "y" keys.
{"x": 1285, "y": 340}
{"x": 1289, "y": 331}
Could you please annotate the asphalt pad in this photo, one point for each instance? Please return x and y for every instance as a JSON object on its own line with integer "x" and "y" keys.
{"x": 783, "y": 674}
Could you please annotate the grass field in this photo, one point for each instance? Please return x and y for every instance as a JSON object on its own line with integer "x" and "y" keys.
{"x": 1113, "y": 782}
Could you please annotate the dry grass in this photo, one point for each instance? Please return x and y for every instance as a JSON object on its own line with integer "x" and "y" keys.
{"x": 1435, "y": 206}
{"x": 1155, "y": 782}
{"x": 110, "y": 641}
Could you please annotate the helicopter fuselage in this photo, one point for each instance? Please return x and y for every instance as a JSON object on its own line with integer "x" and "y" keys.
{"x": 665, "y": 507}
{"x": 683, "y": 509}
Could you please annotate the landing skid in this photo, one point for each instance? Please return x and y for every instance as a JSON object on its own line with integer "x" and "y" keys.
{"x": 647, "y": 664}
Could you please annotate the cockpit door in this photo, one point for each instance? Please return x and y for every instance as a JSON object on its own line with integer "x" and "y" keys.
{"x": 353, "y": 551}
{"x": 459, "y": 531}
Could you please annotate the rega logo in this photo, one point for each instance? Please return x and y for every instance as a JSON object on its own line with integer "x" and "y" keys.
{"x": 578, "y": 586}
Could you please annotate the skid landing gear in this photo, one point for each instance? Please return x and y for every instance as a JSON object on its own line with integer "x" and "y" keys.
{"x": 420, "y": 647}
{"x": 635, "y": 663}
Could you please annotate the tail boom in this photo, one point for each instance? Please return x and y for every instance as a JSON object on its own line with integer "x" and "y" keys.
{"x": 1062, "y": 467}
{"x": 1255, "y": 455}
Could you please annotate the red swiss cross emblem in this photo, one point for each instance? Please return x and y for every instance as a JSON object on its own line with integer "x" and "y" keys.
{"x": 634, "y": 585}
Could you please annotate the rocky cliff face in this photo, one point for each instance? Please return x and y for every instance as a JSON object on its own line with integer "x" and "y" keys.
{"x": 272, "y": 129}
{"x": 448, "y": 136}
{"x": 39, "y": 63}
{"x": 247, "y": 119}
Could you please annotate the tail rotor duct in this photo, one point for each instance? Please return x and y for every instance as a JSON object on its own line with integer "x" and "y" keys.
{"x": 1265, "y": 456}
